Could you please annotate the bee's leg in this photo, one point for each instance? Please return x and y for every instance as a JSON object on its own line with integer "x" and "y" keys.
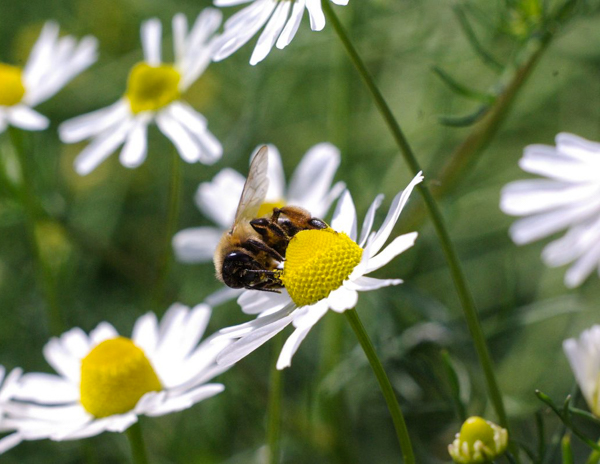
{"x": 257, "y": 246}
{"x": 269, "y": 282}
{"x": 272, "y": 233}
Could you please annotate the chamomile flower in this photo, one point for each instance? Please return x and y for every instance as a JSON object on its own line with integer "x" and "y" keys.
{"x": 8, "y": 385}
{"x": 584, "y": 357}
{"x": 280, "y": 18}
{"x": 105, "y": 381}
{"x": 478, "y": 442}
{"x": 324, "y": 270}
{"x": 154, "y": 94}
{"x": 567, "y": 198}
{"x": 310, "y": 188}
{"x": 52, "y": 63}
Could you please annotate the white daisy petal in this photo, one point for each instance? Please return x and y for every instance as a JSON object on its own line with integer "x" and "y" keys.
{"x": 103, "y": 331}
{"x": 24, "y": 117}
{"x": 179, "y": 35}
{"x": 315, "y": 11}
{"x": 583, "y": 267}
{"x": 340, "y": 2}
{"x": 365, "y": 284}
{"x": 276, "y": 191}
{"x": 186, "y": 400}
{"x": 134, "y": 150}
{"x": 61, "y": 360}
{"x": 397, "y": 246}
{"x": 40, "y": 57}
{"x": 290, "y": 347}
{"x": 222, "y": 296}
{"x": 369, "y": 218}
{"x": 292, "y": 25}
{"x": 145, "y": 333}
{"x": 151, "y": 36}
{"x": 270, "y": 33}
{"x": 344, "y": 216}
{"x": 230, "y": 2}
{"x": 219, "y": 198}
{"x": 342, "y": 299}
{"x": 94, "y": 123}
{"x": 47, "y": 389}
{"x": 254, "y": 302}
{"x": 394, "y": 212}
{"x": 196, "y": 245}
{"x": 584, "y": 357}
{"x": 10, "y": 441}
{"x": 187, "y": 147}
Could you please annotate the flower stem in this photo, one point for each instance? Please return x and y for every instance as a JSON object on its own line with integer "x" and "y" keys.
{"x": 32, "y": 213}
{"x": 384, "y": 383}
{"x": 136, "y": 441}
{"x": 172, "y": 217}
{"x": 456, "y": 271}
{"x": 274, "y": 408}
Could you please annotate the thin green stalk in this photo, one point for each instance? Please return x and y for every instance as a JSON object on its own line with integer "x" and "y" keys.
{"x": 384, "y": 383}
{"x": 274, "y": 408}
{"x": 31, "y": 207}
{"x": 172, "y": 218}
{"x": 456, "y": 271}
{"x": 136, "y": 441}
{"x": 594, "y": 457}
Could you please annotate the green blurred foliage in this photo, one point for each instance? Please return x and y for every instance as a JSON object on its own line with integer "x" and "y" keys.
{"x": 107, "y": 233}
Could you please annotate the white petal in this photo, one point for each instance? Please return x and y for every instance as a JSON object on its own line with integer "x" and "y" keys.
{"x": 187, "y": 147}
{"x": 311, "y": 182}
{"x": 394, "y": 212}
{"x": 24, "y": 117}
{"x": 62, "y": 361}
{"x": 317, "y": 18}
{"x": 47, "y": 389}
{"x": 40, "y": 58}
{"x": 134, "y": 151}
{"x": 247, "y": 344}
{"x": 308, "y": 316}
{"x": 270, "y": 33}
{"x": 196, "y": 245}
{"x": 103, "y": 331}
{"x": 552, "y": 163}
{"x": 342, "y": 299}
{"x": 101, "y": 148}
{"x": 344, "y": 216}
{"x": 577, "y": 241}
{"x": 187, "y": 400}
{"x": 577, "y": 147}
{"x": 230, "y": 2}
{"x": 238, "y": 331}
{"x": 223, "y": 296}
{"x": 365, "y": 284}
{"x": 340, "y": 2}
{"x": 276, "y": 191}
{"x": 145, "y": 334}
{"x": 255, "y": 302}
{"x": 179, "y": 34}
{"x": 219, "y": 198}
{"x": 292, "y": 25}
{"x": 290, "y": 347}
{"x": 368, "y": 221}
{"x": 583, "y": 267}
{"x": 398, "y": 245}
{"x": 10, "y": 441}
{"x": 88, "y": 125}
{"x": 151, "y": 37}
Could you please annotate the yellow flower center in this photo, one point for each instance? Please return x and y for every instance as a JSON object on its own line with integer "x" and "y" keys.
{"x": 149, "y": 88}
{"x": 11, "y": 85}
{"x": 316, "y": 263}
{"x": 476, "y": 428}
{"x": 114, "y": 376}
{"x": 479, "y": 441}
{"x": 267, "y": 207}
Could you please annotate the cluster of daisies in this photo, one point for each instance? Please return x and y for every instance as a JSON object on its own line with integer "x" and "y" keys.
{"x": 105, "y": 381}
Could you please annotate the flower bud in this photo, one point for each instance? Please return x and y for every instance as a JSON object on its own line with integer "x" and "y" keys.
{"x": 478, "y": 441}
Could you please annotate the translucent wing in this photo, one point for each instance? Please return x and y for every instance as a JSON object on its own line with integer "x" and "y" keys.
{"x": 255, "y": 188}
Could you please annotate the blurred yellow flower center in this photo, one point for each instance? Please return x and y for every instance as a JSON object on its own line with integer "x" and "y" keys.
{"x": 149, "y": 88}
{"x": 317, "y": 262}
{"x": 11, "y": 85}
{"x": 479, "y": 441}
{"x": 114, "y": 376}
{"x": 477, "y": 428}
{"x": 267, "y": 207}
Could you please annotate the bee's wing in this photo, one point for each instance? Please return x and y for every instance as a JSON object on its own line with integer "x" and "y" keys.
{"x": 255, "y": 188}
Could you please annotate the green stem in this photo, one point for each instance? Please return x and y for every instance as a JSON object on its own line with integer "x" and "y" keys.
{"x": 384, "y": 383}
{"x": 136, "y": 441}
{"x": 32, "y": 214}
{"x": 172, "y": 217}
{"x": 594, "y": 456}
{"x": 274, "y": 408}
{"x": 456, "y": 271}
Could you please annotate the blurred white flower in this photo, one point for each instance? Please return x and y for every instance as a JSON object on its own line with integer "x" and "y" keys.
{"x": 153, "y": 94}
{"x": 282, "y": 19}
{"x": 105, "y": 381}
{"x": 310, "y": 188}
{"x": 8, "y": 385}
{"x": 324, "y": 269}
{"x": 584, "y": 358}
{"x": 52, "y": 63}
{"x": 568, "y": 198}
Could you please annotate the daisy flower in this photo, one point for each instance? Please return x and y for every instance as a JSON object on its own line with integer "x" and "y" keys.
{"x": 310, "y": 188}
{"x": 8, "y": 385}
{"x": 324, "y": 270}
{"x": 282, "y": 19}
{"x": 584, "y": 358}
{"x": 567, "y": 198}
{"x": 52, "y": 63}
{"x": 105, "y": 381}
{"x": 154, "y": 94}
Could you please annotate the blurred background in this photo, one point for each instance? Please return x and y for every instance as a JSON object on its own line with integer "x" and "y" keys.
{"x": 105, "y": 232}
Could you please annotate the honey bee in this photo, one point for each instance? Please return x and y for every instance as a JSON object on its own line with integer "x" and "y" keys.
{"x": 251, "y": 254}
